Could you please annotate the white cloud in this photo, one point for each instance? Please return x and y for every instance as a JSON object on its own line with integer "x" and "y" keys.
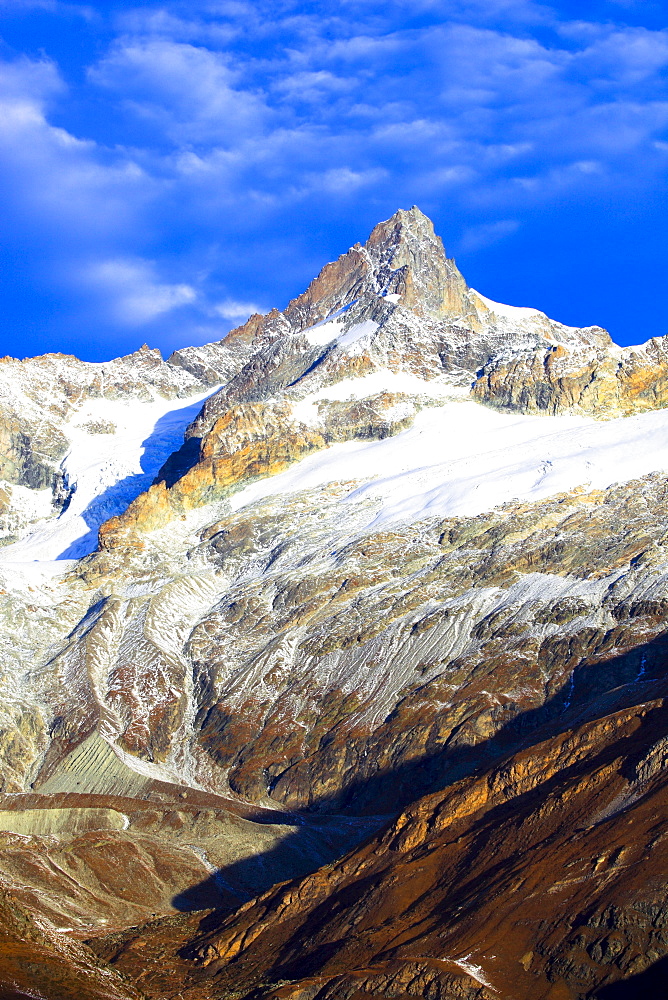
{"x": 188, "y": 91}
{"x": 318, "y": 85}
{"x": 486, "y": 234}
{"x": 230, "y": 309}
{"x": 52, "y": 6}
{"x": 460, "y": 102}
{"x": 345, "y": 181}
{"x": 72, "y": 187}
{"x": 447, "y": 177}
{"x": 133, "y": 293}
{"x": 622, "y": 58}
{"x": 30, "y": 79}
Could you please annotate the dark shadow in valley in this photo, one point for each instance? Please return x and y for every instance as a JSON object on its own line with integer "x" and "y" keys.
{"x": 652, "y": 984}
{"x": 301, "y": 955}
{"x": 595, "y": 690}
{"x": 235, "y": 884}
{"x": 164, "y": 442}
{"x": 308, "y": 843}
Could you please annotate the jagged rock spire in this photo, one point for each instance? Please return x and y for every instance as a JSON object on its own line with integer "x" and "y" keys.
{"x": 410, "y": 260}
{"x": 403, "y": 256}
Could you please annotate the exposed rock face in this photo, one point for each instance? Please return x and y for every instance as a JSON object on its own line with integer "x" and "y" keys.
{"x": 359, "y": 678}
{"x": 527, "y": 876}
{"x": 337, "y": 590}
{"x": 564, "y": 378}
{"x": 250, "y": 442}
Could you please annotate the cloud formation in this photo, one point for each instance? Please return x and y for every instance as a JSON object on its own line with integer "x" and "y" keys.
{"x": 136, "y": 295}
{"x": 190, "y": 159}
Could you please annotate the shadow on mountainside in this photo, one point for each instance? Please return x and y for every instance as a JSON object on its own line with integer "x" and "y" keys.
{"x": 309, "y": 843}
{"x": 596, "y": 690}
{"x": 593, "y": 691}
{"x": 232, "y": 886}
{"x": 652, "y": 984}
{"x": 158, "y": 448}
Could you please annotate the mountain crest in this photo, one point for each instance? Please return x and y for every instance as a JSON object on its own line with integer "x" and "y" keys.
{"x": 394, "y": 308}
{"x": 403, "y": 258}
{"x": 410, "y": 261}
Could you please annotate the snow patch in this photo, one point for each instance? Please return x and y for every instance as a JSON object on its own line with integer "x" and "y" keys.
{"x": 356, "y": 332}
{"x": 462, "y": 459}
{"x": 508, "y": 312}
{"x": 323, "y": 333}
{"x": 474, "y": 971}
{"x": 117, "y": 447}
{"x": 26, "y": 506}
{"x": 331, "y": 330}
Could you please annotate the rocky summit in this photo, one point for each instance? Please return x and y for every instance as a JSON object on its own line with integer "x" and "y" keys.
{"x": 334, "y": 654}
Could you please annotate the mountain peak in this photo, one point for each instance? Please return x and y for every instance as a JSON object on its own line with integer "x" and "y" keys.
{"x": 403, "y": 256}
{"x": 411, "y": 261}
{"x": 350, "y": 586}
{"x": 406, "y": 223}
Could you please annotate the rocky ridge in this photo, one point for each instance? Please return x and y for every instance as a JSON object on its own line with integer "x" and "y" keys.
{"x": 349, "y": 587}
{"x": 396, "y": 304}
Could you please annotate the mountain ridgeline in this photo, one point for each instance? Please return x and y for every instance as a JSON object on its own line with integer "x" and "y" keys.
{"x": 335, "y": 654}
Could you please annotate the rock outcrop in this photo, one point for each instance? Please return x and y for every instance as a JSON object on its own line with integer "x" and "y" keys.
{"x": 561, "y": 379}
{"x": 526, "y": 876}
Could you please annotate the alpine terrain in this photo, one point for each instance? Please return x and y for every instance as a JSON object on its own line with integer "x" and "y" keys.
{"x": 335, "y": 654}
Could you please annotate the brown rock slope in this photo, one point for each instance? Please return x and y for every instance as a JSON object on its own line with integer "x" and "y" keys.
{"x": 542, "y": 878}
{"x": 350, "y": 671}
{"x": 36, "y": 962}
{"x": 75, "y": 866}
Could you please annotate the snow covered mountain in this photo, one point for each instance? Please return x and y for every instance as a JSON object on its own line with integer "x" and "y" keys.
{"x": 346, "y": 557}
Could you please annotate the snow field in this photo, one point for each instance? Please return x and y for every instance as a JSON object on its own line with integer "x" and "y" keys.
{"x": 458, "y": 459}
{"x": 373, "y": 384}
{"x": 331, "y": 329}
{"x": 117, "y": 447}
{"x": 462, "y": 459}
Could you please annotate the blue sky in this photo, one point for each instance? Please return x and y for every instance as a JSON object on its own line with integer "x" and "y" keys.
{"x": 167, "y": 168}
